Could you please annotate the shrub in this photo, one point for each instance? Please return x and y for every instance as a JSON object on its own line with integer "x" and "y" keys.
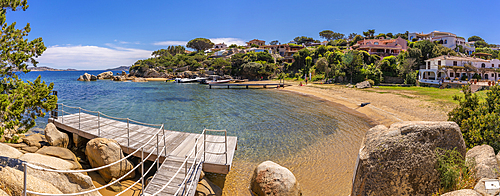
{"x": 455, "y": 173}
{"x": 318, "y": 77}
{"x": 478, "y": 121}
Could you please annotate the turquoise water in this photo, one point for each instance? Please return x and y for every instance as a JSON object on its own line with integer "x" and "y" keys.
{"x": 270, "y": 124}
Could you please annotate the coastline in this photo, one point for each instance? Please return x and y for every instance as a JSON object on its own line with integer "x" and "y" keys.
{"x": 384, "y": 108}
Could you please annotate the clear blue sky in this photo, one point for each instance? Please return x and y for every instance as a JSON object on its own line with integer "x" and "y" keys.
{"x": 106, "y": 34}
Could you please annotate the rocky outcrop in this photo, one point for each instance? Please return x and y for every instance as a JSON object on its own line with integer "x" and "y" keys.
{"x": 151, "y": 73}
{"x": 14, "y": 179}
{"x": 364, "y": 84}
{"x": 139, "y": 80}
{"x": 486, "y": 163}
{"x": 87, "y": 77}
{"x": 270, "y": 178}
{"x": 481, "y": 187}
{"x": 63, "y": 182}
{"x": 55, "y": 137}
{"x": 8, "y": 151}
{"x": 62, "y": 153}
{"x": 463, "y": 192}
{"x": 47, "y": 161}
{"x": 103, "y": 151}
{"x": 105, "y": 75}
{"x": 35, "y": 140}
{"x": 401, "y": 160}
{"x": 206, "y": 187}
{"x": 119, "y": 78}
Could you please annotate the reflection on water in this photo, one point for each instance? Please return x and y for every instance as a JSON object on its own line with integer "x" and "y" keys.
{"x": 317, "y": 141}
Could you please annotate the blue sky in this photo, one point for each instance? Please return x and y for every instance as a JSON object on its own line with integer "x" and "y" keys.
{"x": 107, "y": 34}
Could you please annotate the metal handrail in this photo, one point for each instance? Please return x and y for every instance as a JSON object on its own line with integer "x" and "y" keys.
{"x": 205, "y": 141}
{"x": 184, "y": 164}
{"x": 189, "y": 173}
{"x": 161, "y": 129}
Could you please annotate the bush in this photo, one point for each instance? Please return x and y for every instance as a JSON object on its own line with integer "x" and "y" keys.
{"x": 464, "y": 77}
{"x": 478, "y": 121}
{"x": 455, "y": 173}
{"x": 318, "y": 77}
{"x": 411, "y": 78}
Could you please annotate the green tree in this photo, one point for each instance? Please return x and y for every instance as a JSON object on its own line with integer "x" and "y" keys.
{"x": 389, "y": 35}
{"x": 200, "y": 44}
{"x": 439, "y": 50}
{"x": 372, "y": 72}
{"x": 220, "y": 63}
{"x": 20, "y": 102}
{"x": 352, "y": 35}
{"x": 330, "y": 35}
{"x": 307, "y": 68}
{"x": 322, "y": 65}
{"x": 303, "y": 39}
{"x": 352, "y": 62}
{"x": 478, "y": 121}
{"x": 356, "y": 39}
{"x": 233, "y": 46}
{"x": 275, "y": 42}
{"x": 426, "y": 47}
{"x": 475, "y": 39}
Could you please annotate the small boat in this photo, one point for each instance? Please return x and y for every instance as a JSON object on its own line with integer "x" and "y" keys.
{"x": 187, "y": 80}
{"x": 219, "y": 81}
{"x": 169, "y": 80}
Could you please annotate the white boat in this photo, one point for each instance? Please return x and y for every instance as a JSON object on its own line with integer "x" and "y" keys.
{"x": 187, "y": 80}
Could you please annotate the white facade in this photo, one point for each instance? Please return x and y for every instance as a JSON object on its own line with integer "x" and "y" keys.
{"x": 446, "y": 39}
{"x": 220, "y": 46}
{"x": 452, "y": 67}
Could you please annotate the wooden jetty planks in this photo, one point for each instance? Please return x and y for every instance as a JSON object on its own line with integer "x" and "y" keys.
{"x": 178, "y": 144}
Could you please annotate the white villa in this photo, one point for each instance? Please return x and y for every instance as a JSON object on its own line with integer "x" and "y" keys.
{"x": 445, "y": 68}
{"x": 446, "y": 39}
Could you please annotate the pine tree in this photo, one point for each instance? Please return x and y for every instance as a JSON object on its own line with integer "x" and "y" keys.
{"x": 20, "y": 102}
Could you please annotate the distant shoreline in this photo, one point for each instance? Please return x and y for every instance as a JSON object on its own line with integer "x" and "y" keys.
{"x": 121, "y": 68}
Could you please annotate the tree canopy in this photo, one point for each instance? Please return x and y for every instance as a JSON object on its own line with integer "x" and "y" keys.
{"x": 20, "y": 102}
{"x": 274, "y": 42}
{"x": 475, "y": 38}
{"x": 330, "y": 35}
{"x": 303, "y": 39}
{"x": 200, "y": 44}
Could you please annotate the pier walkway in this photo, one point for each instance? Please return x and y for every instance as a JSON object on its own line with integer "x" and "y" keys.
{"x": 178, "y": 157}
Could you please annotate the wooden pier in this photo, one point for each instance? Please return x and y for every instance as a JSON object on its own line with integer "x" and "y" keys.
{"x": 272, "y": 85}
{"x": 215, "y": 152}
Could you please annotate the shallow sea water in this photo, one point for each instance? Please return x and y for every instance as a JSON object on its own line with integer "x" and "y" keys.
{"x": 318, "y": 141}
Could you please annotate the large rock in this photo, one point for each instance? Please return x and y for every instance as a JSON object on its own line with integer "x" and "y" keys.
{"x": 119, "y": 78}
{"x": 8, "y": 151}
{"x": 401, "y": 160}
{"x": 151, "y": 73}
{"x": 270, "y": 178}
{"x": 481, "y": 187}
{"x": 364, "y": 84}
{"x": 206, "y": 187}
{"x": 463, "y": 192}
{"x": 103, "y": 151}
{"x": 14, "y": 179}
{"x": 3, "y": 193}
{"x": 55, "y": 137}
{"x": 47, "y": 161}
{"x": 62, "y": 153}
{"x": 139, "y": 80}
{"x": 87, "y": 77}
{"x": 65, "y": 182}
{"x": 105, "y": 75}
{"x": 486, "y": 163}
{"x": 35, "y": 140}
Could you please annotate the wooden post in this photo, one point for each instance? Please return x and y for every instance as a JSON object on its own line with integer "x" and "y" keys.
{"x": 247, "y": 86}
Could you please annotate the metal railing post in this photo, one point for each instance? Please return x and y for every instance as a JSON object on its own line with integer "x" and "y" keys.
{"x": 157, "y": 154}
{"x": 25, "y": 179}
{"x": 128, "y": 132}
{"x": 142, "y": 170}
{"x": 204, "y": 144}
{"x": 79, "y": 115}
{"x": 164, "y": 141}
{"x": 99, "y": 124}
{"x": 186, "y": 166}
{"x": 62, "y": 112}
{"x": 225, "y": 142}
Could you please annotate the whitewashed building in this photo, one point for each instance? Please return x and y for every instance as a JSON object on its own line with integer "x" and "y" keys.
{"x": 446, "y": 39}
{"x": 445, "y": 68}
